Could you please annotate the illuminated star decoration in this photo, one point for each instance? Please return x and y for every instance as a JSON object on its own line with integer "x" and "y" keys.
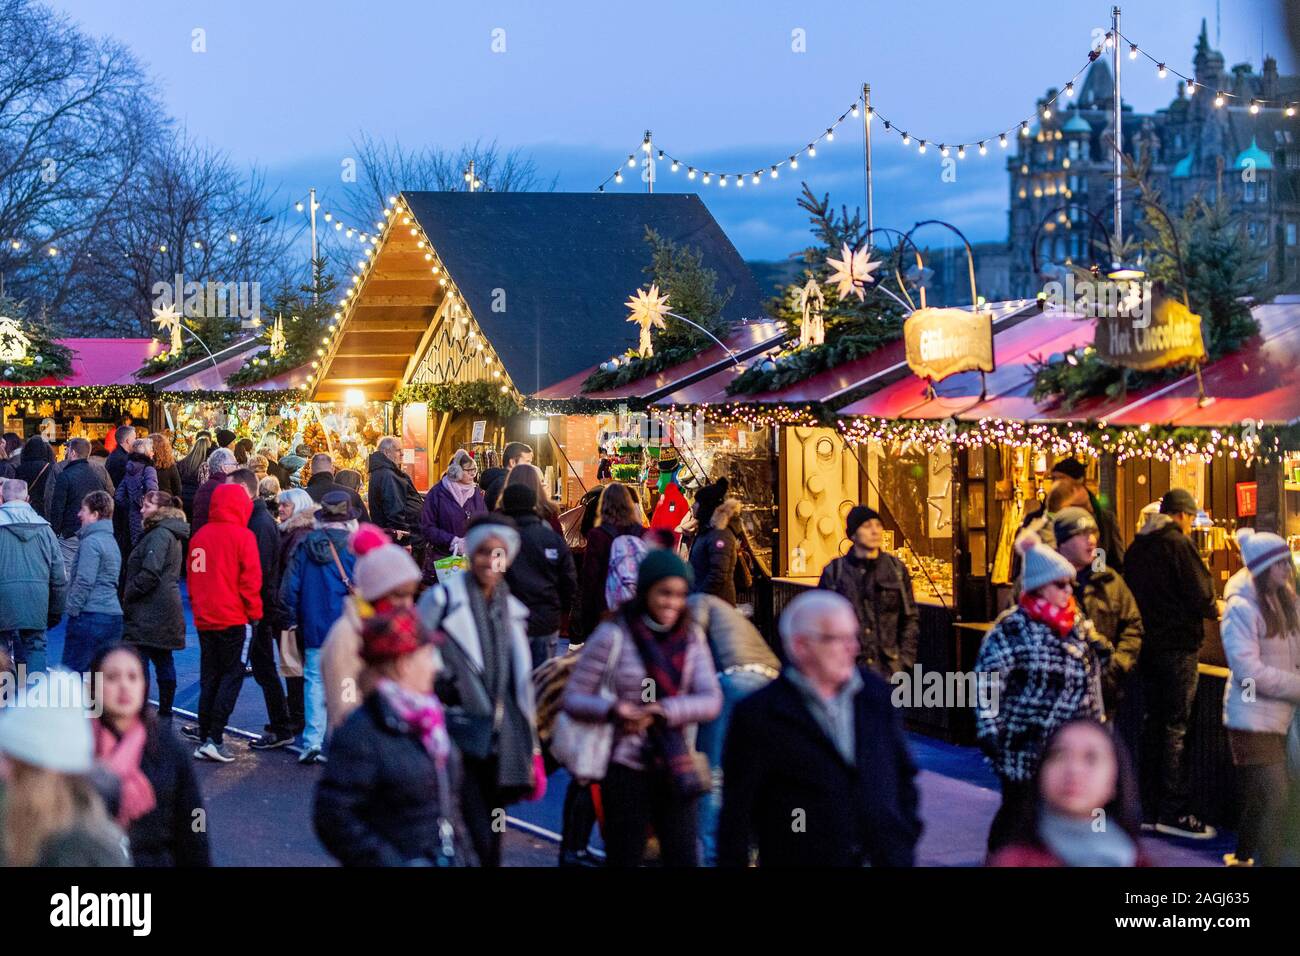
{"x": 852, "y": 272}
{"x": 169, "y": 320}
{"x": 648, "y": 310}
{"x": 811, "y": 302}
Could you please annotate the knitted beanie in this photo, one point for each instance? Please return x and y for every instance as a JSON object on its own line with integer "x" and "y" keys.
{"x": 1072, "y": 521}
{"x": 1041, "y": 564}
{"x": 858, "y": 516}
{"x": 658, "y": 565}
{"x": 1260, "y": 549}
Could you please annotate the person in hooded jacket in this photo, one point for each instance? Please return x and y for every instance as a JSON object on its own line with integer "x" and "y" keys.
{"x": 543, "y": 576}
{"x": 159, "y": 791}
{"x": 94, "y": 611}
{"x": 390, "y": 795}
{"x": 261, "y": 649}
{"x": 1261, "y": 639}
{"x": 153, "y": 614}
{"x": 715, "y": 554}
{"x": 316, "y": 583}
{"x": 33, "y": 578}
{"x": 225, "y": 586}
{"x": 139, "y": 478}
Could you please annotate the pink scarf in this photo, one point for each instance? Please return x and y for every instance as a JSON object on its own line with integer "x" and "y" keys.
{"x": 121, "y": 757}
{"x": 1059, "y": 619}
{"x": 424, "y": 714}
{"x": 462, "y": 493}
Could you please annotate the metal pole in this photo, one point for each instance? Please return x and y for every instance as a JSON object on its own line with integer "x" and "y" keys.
{"x": 312, "y": 202}
{"x": 1119, "y": 139}
{"x": 650, "y": 162}
{"x": 866, "y": 155}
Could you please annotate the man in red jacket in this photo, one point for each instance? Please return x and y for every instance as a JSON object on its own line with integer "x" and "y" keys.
{"x": 225, "y": 582}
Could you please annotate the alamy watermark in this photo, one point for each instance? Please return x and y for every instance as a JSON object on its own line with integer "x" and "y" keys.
{"x": 946, "y": 689}
{"x": 195, "y": 300}
{"x": 1102, "y": 298}
{"x": 54, "y": 688}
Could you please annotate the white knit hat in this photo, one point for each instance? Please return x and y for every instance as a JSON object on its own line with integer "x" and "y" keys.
{"x": 48, "y": 727}
{"x": 1041, "y": 564}
{"x": 1260, "y": 549}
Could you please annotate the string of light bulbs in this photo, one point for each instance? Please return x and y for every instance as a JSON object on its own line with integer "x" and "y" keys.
{"x": 363, "y": 236}
{"x": 981, "y": 143}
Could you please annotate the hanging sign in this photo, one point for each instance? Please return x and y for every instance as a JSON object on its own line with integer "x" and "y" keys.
{"x": 1247, "y": 498}
{"x": 14, "y": 343}
{"x": 1163, "y": 333}
{"x": 943, "y": 342}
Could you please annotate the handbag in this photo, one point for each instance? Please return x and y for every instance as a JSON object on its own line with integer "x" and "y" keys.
{"x": 446, "y": 855}
{"x": 290, "y": 654}
{"x": 581, "y": 746}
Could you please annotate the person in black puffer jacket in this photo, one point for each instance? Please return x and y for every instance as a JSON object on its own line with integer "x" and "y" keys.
{"x": 154, "y": 617}
{"x": 389, "y": 794}
{"x": 543, "y": 576}
{"x": 715, "y": 553}
{"x": 395, "y": 505}
{"x": 159, "y": 804}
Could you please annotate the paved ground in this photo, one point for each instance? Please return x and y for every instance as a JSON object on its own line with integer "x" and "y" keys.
{"x": 259, "y": 806}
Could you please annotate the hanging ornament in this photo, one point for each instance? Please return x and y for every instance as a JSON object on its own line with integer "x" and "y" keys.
{"x": 812, "y": 331}
{"x": 169, "y": 320}
{"x": 14, "y": 343}
{"x": 852, "y": 272}
{"x": 278, "y": 343}
{"x": 648, "y": 310}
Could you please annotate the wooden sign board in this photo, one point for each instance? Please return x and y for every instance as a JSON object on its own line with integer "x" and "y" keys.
{"x": 943, "y": 342}
{"x": 1169, "y": 334}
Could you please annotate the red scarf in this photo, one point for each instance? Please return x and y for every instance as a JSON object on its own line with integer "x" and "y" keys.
{"x": 1059, "y": 619}
{"x": 121, "y": 757}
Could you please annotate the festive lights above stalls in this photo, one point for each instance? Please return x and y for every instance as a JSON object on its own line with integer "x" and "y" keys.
{"x": 1163, "y": 443}
{"x": 1021, "y": 128}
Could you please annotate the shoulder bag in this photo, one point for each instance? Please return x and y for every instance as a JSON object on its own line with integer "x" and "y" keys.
{"x": 581, "y": 746}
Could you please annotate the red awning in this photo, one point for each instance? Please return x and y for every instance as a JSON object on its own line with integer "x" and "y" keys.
{"x": 1261, "y": 381}
{"x": 102, "y": 362}
{"x": 887, "y": 361}
{"x": 745, "y": 340}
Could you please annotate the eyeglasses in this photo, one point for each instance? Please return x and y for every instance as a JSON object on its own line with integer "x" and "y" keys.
{"x": 830, "y": 637}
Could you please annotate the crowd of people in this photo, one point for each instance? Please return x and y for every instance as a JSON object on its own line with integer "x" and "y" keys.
{"x": 437, "y": 694}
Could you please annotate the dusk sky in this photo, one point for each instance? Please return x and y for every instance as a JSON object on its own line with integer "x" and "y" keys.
{"x": 287, "y": 85}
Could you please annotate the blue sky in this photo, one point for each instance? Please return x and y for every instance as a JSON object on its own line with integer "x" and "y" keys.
{"x": 288, "y": 84}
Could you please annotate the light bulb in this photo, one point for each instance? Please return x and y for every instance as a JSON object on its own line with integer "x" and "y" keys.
{"x": 1218, "y": 99}
{"x": 812, "y": 150}
{"x": 722, "y": 180}
{"x": 907, "y": 140}
{"x": 706, "y": 179}
{"x": 961, "y": 152}
{"x": 1024, "y": 128}
{"x": 983, "y": 149}
{"x": 1133, "y": 51}
{"x": 1047, "y": 112}
{"x": 794, "y": 162}
{"x": 922, "y": 147}
{"x": 773, "y": 173}
{"x": 618, "y": 176}
{"x": 690, "y": 172}
{"x": 1290, "y": 110}
{"x": 943, "y": 150}
{"x": 1069, "y": 89}
{"x": 1161, "y": 71}
{"x": 1254, "y": 106}
{"x": 631, "y": 159}
{"x": 674, "y": 166}
{"x": 830, "y": 135}
{"x": 298, "y": 206}
{"x": 755, "y": 180}
{"x": 329, "y": 216}
{"x": 855, "y": 109}
{"x": 1002, "y": 140}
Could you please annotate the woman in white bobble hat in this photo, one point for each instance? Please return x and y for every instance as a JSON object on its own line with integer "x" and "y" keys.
{"x": 1047, "y": 661}
{"x": 1261, "y": 638}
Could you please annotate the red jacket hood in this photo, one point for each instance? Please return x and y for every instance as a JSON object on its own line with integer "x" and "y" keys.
{"x": 230, "y": 504}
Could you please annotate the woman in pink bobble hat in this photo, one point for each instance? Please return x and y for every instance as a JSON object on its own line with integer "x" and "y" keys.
{"x": 1261, "y": 639}
{"x": 386, "y": 580}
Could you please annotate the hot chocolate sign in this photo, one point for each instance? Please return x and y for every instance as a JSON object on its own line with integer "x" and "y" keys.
{"x": 1169, "y": 334}
{"x": 943, "y": 342}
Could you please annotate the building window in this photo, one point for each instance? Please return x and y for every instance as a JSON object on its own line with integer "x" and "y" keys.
{"x": 1263, "y": 190}
{"x": 1248, "y": 193}
{"x": 1290, "y": 234}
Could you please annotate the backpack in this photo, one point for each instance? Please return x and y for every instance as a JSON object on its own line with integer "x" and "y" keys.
{"x": 625, "y": 556}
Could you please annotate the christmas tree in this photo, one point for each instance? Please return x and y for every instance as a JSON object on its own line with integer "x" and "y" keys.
{"x": 304, "y": 314}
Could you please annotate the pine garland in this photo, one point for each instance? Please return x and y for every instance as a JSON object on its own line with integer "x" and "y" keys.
{"x": 46, "y": 358}
{"x": 485, "y": 397}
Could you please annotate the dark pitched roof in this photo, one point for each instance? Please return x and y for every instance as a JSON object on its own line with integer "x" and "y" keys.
{"x": 567, "y": 262}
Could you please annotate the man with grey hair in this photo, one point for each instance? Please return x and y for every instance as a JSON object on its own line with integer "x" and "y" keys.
{"x": 221, "y": 463}
{"x": 816, "y": 770}
{"x": 395, "y": 505}
{"x": 33, "y": 579}
{"x": 322, "y": 482}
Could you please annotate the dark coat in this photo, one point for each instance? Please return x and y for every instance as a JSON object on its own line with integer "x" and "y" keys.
{"x": 713, "y": 560}
{"x": 1172, "y": 586}
{"x": 141, "y": 477}
{"x": 543, "y": 574}
{"x": 890, "y": 621}
{"x": 443, "y": 519}
{"x": 778, "y": 762}
{"x": 153, "y": 613}
{"x": 395, "y": 505}
{"x": 277, "y": 471}
{"x": 203, "y": 500}
{"x": 592, "y": 574}
{"x": 167, "y": 835}
{"x": 267, "y": 533}
{"x": 169, "y": 479}
{"x": 75, "y": 480}
{"x": 36, "y": 472}
{"x": 292, "y": 533}
{"x": 1109, "y": 537}
{"x": 377, "y": 804}
{"x": 322, "y": 484}
{"x": 115, "y": 464}
{"x": 1110, "y": 605}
